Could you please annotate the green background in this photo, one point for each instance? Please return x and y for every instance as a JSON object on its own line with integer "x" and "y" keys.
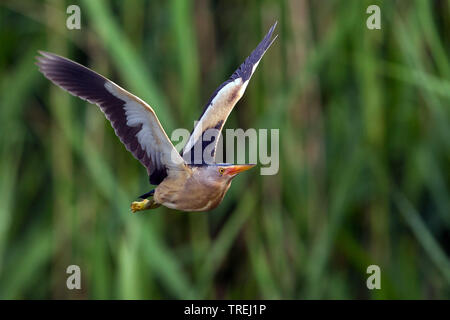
{"x": 364, "y": 152}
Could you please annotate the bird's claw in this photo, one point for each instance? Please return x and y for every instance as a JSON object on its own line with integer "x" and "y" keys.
{"x": 145, "y": 204}
{"x": 139, "y": 205}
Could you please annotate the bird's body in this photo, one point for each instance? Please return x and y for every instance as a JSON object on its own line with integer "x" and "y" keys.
{"x": 185, "y": 182}
{"x": 196, "y": 189}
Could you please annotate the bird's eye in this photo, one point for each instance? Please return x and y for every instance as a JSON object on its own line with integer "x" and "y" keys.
{"x": 221, "y": 170}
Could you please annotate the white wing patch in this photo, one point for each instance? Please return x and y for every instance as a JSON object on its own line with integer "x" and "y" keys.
{"x": 254, "y": 67}
{"x": 137, "y": 114}
{"x": 219, "y": 109}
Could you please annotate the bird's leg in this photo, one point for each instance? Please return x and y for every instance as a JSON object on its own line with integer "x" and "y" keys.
{"x": 145, "y": 204}
{"x": 148, "y": 194}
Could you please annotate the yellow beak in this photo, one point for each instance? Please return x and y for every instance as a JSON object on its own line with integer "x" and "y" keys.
{"x": 238, "y": 168}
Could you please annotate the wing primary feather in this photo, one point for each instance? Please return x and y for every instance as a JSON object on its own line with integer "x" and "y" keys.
{"x": 246, "y": 69}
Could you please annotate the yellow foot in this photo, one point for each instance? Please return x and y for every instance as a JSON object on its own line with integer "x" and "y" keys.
{"x": 139, "y": 205}
{"x": 143, "y": 205}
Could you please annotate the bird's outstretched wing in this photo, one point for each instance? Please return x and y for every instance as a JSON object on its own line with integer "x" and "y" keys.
{"x": 134, "y": 121}
{"x": 219, "y": 106}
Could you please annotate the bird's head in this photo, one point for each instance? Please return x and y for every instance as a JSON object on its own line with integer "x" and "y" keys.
{"x": 231, "y": 170}
{"x": 223, "y": 172}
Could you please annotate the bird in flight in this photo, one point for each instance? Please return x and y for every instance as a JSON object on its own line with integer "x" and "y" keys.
{"x": 184, "y": 181}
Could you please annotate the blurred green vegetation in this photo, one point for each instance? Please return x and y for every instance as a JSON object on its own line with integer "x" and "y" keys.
{"x": 364, "y": 152}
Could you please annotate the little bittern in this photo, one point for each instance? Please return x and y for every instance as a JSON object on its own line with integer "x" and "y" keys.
{"x": 183, "y": 184}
